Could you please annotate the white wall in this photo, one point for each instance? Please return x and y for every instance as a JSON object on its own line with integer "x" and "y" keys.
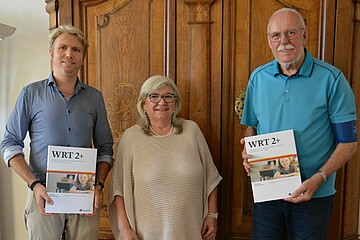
{"x": 23, "y": 59}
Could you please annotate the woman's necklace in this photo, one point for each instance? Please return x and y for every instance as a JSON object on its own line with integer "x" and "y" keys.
{"x": 160, "y": 135}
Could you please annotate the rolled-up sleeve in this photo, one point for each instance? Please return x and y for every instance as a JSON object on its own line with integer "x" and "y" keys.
{"x": 16, "y": 129}
{"x": 103, "y": 140}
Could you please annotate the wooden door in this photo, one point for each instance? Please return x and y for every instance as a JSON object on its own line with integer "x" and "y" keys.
{"x": 124, "y": 51}
{"x": 209, "y": 47}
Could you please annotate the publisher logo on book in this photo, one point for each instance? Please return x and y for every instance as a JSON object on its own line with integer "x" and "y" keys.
{"x": 84, "y": 210}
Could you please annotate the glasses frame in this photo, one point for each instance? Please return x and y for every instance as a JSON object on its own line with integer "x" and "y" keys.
{"x": 289, "y": 34}
{"x": 172, "y": 96}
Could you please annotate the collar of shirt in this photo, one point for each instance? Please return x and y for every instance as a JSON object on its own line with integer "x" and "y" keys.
{"x": 305, "y": 69}
{"x": 79, "y": 85}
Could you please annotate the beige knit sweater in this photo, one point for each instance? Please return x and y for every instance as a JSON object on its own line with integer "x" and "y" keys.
{"x": 165, "y": 183}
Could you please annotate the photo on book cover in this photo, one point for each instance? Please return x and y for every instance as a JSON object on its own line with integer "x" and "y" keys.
{"x": 70, "y": 182}
{"x": 277, "y": 168}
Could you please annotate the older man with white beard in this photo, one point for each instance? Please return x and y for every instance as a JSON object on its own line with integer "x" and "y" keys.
{"x": 297, "y": 91}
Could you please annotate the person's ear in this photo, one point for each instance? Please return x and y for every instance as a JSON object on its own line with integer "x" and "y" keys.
{"x": 305, "y": 36}
{"x": 51, "y": 54}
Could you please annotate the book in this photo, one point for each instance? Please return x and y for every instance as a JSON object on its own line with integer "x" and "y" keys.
{"x": 274, "y": 171}
{"x": 70, "y": 178}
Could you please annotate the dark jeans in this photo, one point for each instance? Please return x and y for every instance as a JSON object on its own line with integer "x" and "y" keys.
{"x": 280, "y": 220}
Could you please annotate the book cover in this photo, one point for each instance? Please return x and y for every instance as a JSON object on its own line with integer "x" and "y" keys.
{"x": 70, "y": 178}
{"x": 275, "y": 171}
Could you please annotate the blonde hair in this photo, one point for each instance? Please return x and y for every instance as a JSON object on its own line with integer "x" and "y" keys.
{"x": 70, "y": 30}
{"x": 149, "y": 86}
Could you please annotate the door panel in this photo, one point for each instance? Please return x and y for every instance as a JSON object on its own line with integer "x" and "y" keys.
{"x": 126, "y": 47}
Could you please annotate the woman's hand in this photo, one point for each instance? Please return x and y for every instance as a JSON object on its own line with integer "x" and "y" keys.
{"x": 128, "y": 234}
{"x": 209, "y": 228}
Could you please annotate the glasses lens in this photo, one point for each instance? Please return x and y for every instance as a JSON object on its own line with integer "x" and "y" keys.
{"x": 169, "y": 98}
{"x": 290, "y": 34}
{"x": 275, "y": 36}
{"x": 154, "y": 98}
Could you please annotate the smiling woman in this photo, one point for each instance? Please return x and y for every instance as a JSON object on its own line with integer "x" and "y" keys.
{"x": 168, "y": 160}
{"x": 158, "y": 104}
{"x": 159, "y": 107}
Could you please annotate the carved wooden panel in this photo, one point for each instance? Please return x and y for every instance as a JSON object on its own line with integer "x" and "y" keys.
{"x": 198, "y": 66}
{"x": 127, "y": 39}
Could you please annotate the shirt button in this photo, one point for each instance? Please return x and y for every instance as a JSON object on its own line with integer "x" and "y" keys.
{"x": 69, "y": 129}
{"x": 69, "y": 111}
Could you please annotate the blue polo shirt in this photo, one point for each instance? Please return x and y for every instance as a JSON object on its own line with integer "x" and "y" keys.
{"x": 43, "y": 111}
{"x": 307, "y": 102}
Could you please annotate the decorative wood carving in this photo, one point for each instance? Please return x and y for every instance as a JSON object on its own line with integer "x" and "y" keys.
{"x": 52, "y": 7}
{"x": 120, "y": 108}
{"x": 357, "y": 10}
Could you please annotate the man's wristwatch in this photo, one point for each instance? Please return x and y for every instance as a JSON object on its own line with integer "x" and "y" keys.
{"x": 101, "y": 184}
{"x": 213, "y": 215}
{"x": 323, "y": 175}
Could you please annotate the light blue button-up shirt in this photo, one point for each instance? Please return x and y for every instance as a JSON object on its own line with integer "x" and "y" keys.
{"x": 43, "y": 111}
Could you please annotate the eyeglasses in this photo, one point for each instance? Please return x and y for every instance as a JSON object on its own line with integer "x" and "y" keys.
{"x": 289, "y": 34}
{"x": 156, "y": 98}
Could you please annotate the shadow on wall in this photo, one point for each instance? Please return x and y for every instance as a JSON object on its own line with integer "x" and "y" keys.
{"x": 7, "y": 200}
{"x": 24, "y": 59}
